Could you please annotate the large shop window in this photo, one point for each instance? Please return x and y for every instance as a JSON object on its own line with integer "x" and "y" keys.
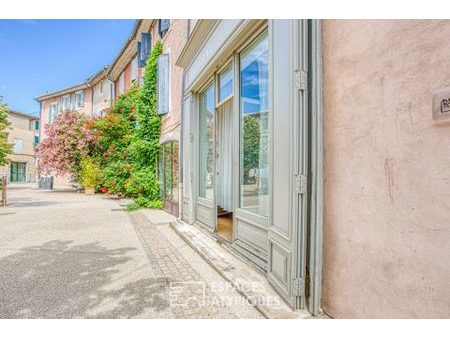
{"x": 168, "y": 172}
{"x": 254, "y": 127}
{"x": 206, "y": 145}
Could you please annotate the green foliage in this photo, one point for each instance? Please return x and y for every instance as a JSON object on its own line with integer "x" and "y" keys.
{"x": 143, "y": 184}
{"x": 146, "y": 145}
{"x": 251, "y": 139}
{"x": 90, "y": 173}
{"x": 128, "y": 141}
{"x": 114, "y": 176}
{"x": 5, "y": 147}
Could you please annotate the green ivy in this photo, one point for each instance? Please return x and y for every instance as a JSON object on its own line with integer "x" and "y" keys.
{"x": 128, "y": 141}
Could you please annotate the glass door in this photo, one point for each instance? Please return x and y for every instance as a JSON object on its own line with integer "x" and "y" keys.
{"x": 206, "y": 164}
{"x": 18, "y": 172}
{"x": 168, "y": 171}
{"x": 224, "y": 153}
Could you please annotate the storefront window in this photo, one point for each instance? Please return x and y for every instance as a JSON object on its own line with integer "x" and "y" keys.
{"x": 254, "y": 127}
{"x": 167, "y": 157}
{"x": 175, "y": 171}
{"x": 168, "y": 167}
{"x": 206, "y": 144}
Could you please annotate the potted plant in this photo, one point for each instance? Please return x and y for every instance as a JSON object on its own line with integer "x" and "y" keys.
{"x": 90, "y": 175}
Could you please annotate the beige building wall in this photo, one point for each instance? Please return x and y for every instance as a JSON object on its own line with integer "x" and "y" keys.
{"x": 387, "y": 169}
{"x": 23, "y": 128}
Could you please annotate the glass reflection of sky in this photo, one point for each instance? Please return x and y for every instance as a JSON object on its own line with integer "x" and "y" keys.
{"x": 226, "y": 83}
{"x": 255, "y": 77}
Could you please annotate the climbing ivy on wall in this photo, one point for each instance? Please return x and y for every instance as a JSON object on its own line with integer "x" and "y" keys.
{"x": 128, "y": 141}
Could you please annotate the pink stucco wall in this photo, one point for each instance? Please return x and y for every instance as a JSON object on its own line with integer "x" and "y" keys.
{"x": 387, "y": 170}
{"x": 173, "y": 43}
{"x": 45, "y": 107}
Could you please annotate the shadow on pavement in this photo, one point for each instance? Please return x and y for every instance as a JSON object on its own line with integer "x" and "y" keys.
{"x": 61, "y": 280}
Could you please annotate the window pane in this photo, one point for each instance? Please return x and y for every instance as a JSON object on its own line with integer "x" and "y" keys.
{"x": 225, "y": 83}
{"x": 254, "y": 121}
{"x": 175, "y": 168}
{"x": 167, "y": 170}
{"x": 206, "y": 146}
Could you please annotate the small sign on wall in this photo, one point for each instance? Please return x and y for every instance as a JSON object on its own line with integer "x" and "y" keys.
{"x": 441, "y": 104}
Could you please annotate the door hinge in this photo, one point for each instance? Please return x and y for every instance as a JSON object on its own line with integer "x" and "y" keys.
{"x": 298, "y": 288}
{"x": 301, "y": 79}
{"x": 300, "y": 184}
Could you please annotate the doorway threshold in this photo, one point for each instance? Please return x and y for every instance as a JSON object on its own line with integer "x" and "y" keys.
{"x": 248, "y": 281}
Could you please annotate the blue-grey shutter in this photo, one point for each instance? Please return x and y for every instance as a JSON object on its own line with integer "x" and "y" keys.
{"x": 82, "y": 98}
{"x": 163, "y": 83}
{"x": 140, "y": 63}
{"x": 144, "y": 48}
{"x": 163, "y": 26}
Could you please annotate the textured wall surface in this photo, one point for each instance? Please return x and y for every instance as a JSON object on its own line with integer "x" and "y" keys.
{"x": 387, "y": 169}
{"x": 173, "y": 43}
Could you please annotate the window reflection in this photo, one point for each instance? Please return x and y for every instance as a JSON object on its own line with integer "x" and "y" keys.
{"x": 254, "y": 120}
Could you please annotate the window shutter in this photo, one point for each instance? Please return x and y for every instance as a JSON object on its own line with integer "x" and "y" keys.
{"x": 163, "y": 26}
{"x": 163, "y": 83}
{"x": 140, "y": 63}
{"x": 134, "y": 69}
{"x": 144, "y": 48}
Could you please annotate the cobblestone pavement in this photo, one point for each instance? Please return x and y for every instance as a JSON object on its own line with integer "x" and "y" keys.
{"x": 68, "y": 255}
{"x": 194, "y": 290}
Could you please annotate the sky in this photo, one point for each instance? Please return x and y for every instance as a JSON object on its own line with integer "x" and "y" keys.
{"x": 39, "y": 56}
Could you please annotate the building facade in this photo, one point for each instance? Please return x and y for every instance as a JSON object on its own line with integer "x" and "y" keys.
{"x": 128, "y": 70}
{"x": 249, "y": 169}
{"x": 24, "y": 136}
{"x": 317, "y": 150}
{"x": 91, "y": 97}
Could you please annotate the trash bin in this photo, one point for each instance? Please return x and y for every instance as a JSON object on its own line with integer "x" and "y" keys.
{"x": 45, "y": 183}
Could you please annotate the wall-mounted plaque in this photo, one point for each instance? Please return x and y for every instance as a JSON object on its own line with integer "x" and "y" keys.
{"x": 441, "y": 104}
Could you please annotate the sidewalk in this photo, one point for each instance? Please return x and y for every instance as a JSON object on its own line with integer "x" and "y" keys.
{"x": 244, "y": 278}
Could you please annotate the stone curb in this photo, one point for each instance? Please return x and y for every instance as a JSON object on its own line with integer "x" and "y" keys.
{"x": 231, "y": 272}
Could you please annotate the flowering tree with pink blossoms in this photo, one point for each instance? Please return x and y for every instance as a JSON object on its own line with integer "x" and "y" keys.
{"x": 68, "y": 139}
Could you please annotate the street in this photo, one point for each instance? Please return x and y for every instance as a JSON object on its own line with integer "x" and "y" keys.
{"x": 67, "y": 255}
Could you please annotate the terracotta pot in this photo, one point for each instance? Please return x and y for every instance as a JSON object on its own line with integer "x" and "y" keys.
{"x": 89, "y": 191}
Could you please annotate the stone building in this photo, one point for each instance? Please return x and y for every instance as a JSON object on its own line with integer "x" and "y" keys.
{"x": 24, "y": 136}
